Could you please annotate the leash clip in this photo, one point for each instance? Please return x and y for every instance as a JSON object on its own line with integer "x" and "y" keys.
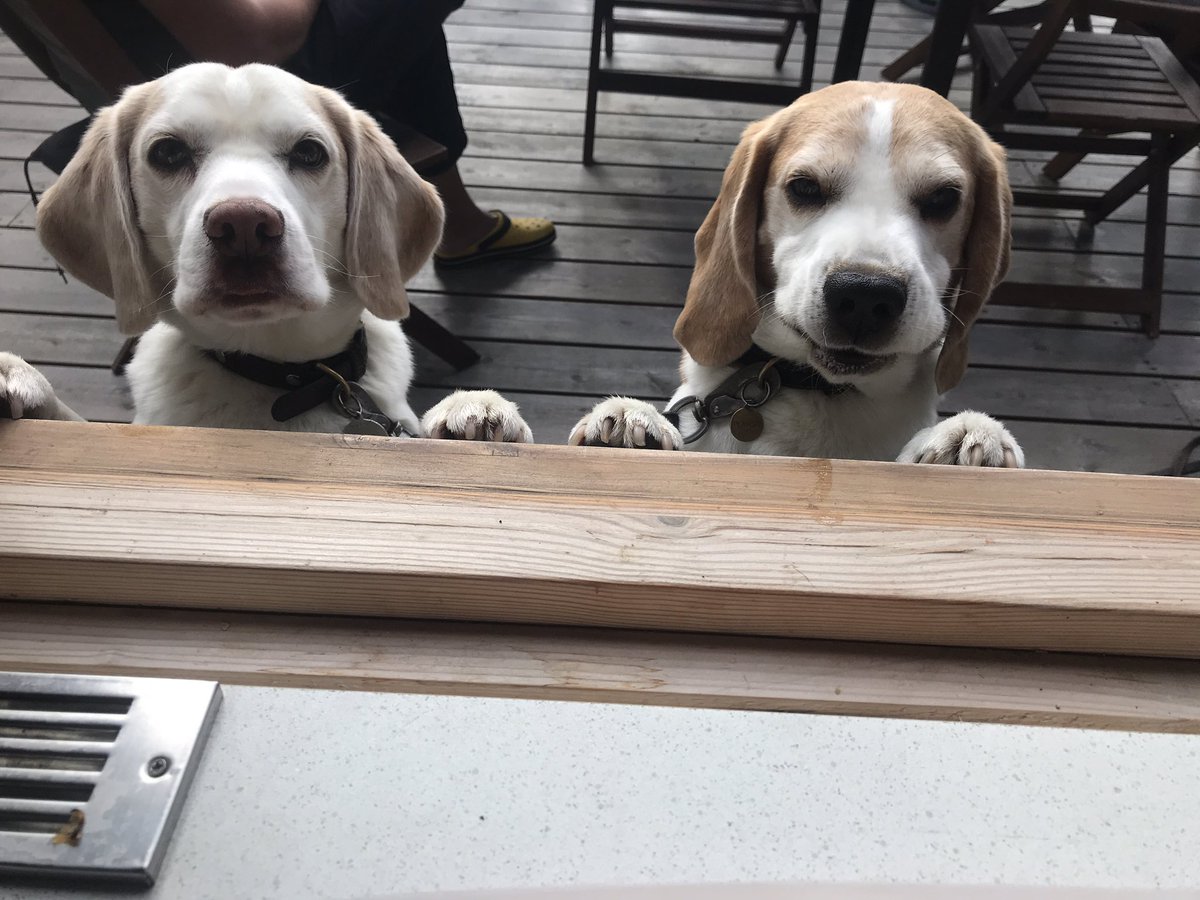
{"x": 353, "y": 402}
{"x": 699, "y": 410}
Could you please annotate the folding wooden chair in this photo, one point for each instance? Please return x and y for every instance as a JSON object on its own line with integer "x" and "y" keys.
{"x": 1083, "y": 92}
{"x": 608, "y": 18}
{"x": 919, "y": 53}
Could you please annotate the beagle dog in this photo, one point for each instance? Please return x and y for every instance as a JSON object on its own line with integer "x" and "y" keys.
{"x": 257, "y": 232}
{"x": 855, "y": 239}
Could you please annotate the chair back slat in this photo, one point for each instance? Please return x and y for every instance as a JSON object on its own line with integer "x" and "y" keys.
{"x": 1058, "y": 14}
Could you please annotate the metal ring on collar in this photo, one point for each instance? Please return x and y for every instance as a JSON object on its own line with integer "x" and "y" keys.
{"x": 699, "y": 413}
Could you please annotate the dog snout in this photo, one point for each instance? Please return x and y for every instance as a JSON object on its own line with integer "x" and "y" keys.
{"x": 244, "y": 229}
{"x": 865, "y": 304}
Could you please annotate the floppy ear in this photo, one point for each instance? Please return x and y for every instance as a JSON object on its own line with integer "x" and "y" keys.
{"x": 721, "y": 311}
{"x": 394, "y": 218}
{"x": 88, "y": 217}
{"x": 985, "y": 259}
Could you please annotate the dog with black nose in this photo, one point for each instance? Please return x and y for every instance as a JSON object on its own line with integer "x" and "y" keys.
{"x": 257, "y": 232}
{"x": 854, "y": 241}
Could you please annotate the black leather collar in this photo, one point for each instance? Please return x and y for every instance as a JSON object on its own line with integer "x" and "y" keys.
{"x": 306, "y": 383}
{"x": 792, "y": 375}
{"x": 758, "y": 377}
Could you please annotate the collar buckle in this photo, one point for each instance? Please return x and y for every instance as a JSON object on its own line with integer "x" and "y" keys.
{"x": 760, "y": 377}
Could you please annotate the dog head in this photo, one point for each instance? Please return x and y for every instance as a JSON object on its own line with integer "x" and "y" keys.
{"x": 230, "y": 197}
{"x": 861, "y": 225}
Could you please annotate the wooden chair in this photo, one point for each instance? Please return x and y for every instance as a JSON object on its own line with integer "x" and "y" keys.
{"x": 919, "y": 53}
{"x": 606, "y": 21}
{"x": 84, "y": 32}
{"x": 1078, "y": 93}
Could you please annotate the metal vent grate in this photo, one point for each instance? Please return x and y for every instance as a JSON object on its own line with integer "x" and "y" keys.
{"x": 93, "y": 771}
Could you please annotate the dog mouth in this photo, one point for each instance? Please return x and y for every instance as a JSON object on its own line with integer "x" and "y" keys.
{"x": 247, "y": 294}
{"x": 245, "y": 304}
{"x": 843, "y": 361}
{"x": 848, "y": 361}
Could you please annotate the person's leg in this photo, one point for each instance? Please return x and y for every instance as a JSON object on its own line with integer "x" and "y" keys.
{"x": 390, "y": 57}
{"x": 466, "y": 223}
{"x": 427, "y": 101}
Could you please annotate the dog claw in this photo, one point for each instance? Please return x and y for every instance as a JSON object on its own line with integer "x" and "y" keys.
{"x": 975, "y": 455}
{"x": 1010, "y": 459}
{"x": 623, "y": 422}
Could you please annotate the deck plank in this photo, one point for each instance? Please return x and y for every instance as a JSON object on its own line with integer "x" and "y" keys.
{"x": 593, "y": 314}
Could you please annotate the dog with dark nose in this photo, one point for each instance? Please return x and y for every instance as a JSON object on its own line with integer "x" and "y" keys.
{"x": 865, "y": 306}
{"x": 257, "y": 232}
{"x": 854, "y": 241}
{"x": 244, "y": 228}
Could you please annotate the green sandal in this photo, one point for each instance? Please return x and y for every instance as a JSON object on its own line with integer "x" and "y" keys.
{"x": 509, "y": 237}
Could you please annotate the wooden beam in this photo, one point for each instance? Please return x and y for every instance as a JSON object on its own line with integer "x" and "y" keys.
{"x": 551, "y": 535}
{"x": 613, "y": 666}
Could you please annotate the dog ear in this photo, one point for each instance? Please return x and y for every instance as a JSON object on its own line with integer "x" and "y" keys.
{"x": 721, "y": 310}
{"x": 394, "y": 218}
{"x": 88, "y": 218}
{"x": 984, "y": 259}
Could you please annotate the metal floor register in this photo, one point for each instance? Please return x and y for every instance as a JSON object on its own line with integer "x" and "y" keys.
{"x": 93, "y": 772}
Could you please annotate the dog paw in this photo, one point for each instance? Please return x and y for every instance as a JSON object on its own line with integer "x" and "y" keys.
{"x": 476, "y": 416}
{"x": 624, "y": 422}
{"x": 24, "y": 391}
{"x": 967, "y": 439}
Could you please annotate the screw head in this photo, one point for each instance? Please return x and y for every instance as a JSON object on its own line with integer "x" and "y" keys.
{"x": 158, "y": 767}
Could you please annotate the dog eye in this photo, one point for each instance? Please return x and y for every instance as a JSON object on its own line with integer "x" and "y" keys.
{"x": 806, "y": 192}
{"x": 941, "y": 204}
{"x": 308, "y": 154}
{"x": 169, "y": 155}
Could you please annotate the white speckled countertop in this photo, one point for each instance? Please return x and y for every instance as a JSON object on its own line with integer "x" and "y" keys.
{"x": 306, "y": 794}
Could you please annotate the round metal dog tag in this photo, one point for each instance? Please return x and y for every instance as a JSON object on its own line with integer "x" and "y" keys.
{"x": 746, "y": 424}
{"x": 365, "y": 426}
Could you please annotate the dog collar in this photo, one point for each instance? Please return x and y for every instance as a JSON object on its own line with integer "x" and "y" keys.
{"x": 759, "y": 377}
{"x": 791, "y": 375}
{"x": 308, "y": 384}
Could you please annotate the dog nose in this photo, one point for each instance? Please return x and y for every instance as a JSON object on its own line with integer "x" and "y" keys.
{"x": 244, "y": 228}
{"x": 865, "y": 304}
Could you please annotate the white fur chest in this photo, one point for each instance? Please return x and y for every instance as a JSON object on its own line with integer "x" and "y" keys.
{"x": 174, "y": 383}
{"x": 796, "y": 422}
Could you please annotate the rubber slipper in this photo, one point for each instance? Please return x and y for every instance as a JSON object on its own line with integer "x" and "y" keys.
{"x": 509, "y": 237}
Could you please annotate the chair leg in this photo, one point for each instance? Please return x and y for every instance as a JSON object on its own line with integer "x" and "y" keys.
{"x": 1140, "y": 176}
{"x": 608, "y": 35}
{"x": 601, "y": 11}
{"x": 918, "y": 53}
{"x": 1154, "y": 251}
{"x": 811, "y": 33}
{"x": 439, "y": 340}
{"x": 785, "y": 42}
{"x": 909, "y": 59}
{"x": 1062, "y": 163}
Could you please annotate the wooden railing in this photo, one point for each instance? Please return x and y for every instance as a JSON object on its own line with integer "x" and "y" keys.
{"x": 246, "y": 526}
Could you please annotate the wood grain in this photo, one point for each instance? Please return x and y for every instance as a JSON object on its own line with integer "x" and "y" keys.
{"x": 1063, "y": 690}
{"x": 549, "y": 535}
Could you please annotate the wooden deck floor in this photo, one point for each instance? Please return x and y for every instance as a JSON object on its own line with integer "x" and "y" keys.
{"x": 593, "y": 315}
